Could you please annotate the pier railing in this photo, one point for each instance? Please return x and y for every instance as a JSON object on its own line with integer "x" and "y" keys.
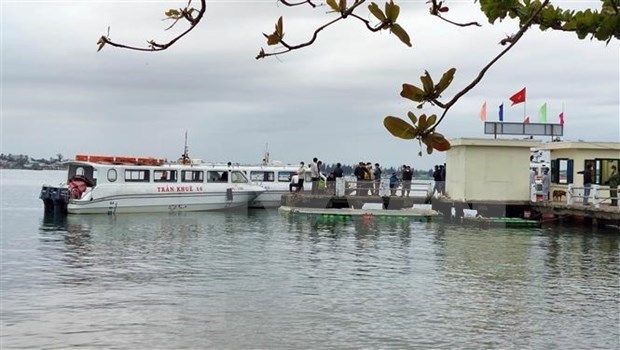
{"x": 575, "y": 194}
{"x": 347, "y": 187}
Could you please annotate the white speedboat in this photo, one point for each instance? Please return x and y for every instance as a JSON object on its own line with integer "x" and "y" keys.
{"x": 275, "y": 179}
{"x": 110, "y": 185}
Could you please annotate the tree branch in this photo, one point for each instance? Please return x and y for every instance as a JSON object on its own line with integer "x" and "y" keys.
{"x": 154, "y": 46}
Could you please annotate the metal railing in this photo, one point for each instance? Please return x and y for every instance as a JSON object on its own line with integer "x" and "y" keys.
{"x": 347, "y": 187}
{"x": 575, "y": 193}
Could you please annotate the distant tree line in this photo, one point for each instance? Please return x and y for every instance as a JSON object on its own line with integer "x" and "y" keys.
{"x": 23, "y": 161}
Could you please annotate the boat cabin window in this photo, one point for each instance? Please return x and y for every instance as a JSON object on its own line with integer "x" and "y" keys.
{"x": 164, "y": 175}
{"x": 217, "y": 176}
{"x": 263, "y": 176}
{"x": 136, "y": 175}
{"x": 238, "y": 177}
{"x": 112, "y": 175}
{"x": 285, "y": 176}
{"x": 192, "y": 176}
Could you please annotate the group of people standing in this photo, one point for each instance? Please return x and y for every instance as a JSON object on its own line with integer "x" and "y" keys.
{"x": 588, "y": 177}
{"x": 297, "y": 180}
{"x": 368, "y": 178}
{"x": 612, "y": 181}
{"x": 439, "y": 176}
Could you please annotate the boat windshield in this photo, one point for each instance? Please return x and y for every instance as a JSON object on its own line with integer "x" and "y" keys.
{"x": 238, "y": 177}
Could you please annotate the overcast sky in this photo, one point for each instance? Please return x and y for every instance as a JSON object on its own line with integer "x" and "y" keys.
{"x": 59, "y": 95}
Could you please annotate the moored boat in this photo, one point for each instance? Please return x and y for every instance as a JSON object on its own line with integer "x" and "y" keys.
{"x": 111, "y": 185}
{"x": 275, "y": 177}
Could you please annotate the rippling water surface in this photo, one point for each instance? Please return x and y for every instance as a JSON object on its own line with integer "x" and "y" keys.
{"x": 259, "y": 280}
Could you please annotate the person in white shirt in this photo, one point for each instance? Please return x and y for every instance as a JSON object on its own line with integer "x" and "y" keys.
{"x": 301, "y": 175}
{"x": 314, "y": 174}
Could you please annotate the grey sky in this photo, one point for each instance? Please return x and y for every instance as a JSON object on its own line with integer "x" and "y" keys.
{"x": 329, "y": 100}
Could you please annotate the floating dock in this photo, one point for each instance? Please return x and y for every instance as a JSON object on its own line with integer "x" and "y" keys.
{"x": 414, "y": 214}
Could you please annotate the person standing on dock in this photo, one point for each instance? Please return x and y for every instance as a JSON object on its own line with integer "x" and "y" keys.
{"x": 314, "y": 174}
{"x": 407, "y": 177}
{"x": 613, "y": 181}
{"x": 359, "y": 177}
{"x": 377, "y": 177}
{"x": 546, "y": 183}
{"x": 393, "y": 184}
{"x": 338, "y": 171}
{"x": 301, "y": 173}
{"x": 587, "y": 182}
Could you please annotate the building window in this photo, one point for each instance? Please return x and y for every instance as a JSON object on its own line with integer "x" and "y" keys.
{"x": 562, "y": 171}
{"x": 602, "y": 169}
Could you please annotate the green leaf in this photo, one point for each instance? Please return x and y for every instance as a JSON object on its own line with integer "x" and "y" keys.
{"x": 446, "y": 80}
{"x": 413, "y": 93}
{"x": 400, "y": 33}
{"x": 376, "y": 11}
{"x": 427, "y": 83}
{"x": 392, "y": 11}
{"x": 399, "y": 128}
{"x": 280, "y": 28}
{"x": 333, "y": 5}
{"x": 431, "y": 120}
{"x": 413, "y": 118}
{"x": 173, "y": 13}
{"x": 422, "y": 125}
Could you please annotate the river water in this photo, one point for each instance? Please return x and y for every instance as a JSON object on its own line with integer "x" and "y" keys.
{"x": 260, "y": 280}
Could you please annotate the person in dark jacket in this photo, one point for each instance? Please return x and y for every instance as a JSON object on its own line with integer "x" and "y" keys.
{"x": 338, "y": 170}
{"x": 359, "y": 176}
{"x": 587, "y": 182}
{"x": 393, "y": 184}
{"x": 613, "y": 182}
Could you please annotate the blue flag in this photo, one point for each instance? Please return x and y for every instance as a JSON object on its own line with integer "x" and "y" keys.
{"x": 501, "y": 112}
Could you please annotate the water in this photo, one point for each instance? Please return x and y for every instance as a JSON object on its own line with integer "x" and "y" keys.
{"x": 258, "y": 280}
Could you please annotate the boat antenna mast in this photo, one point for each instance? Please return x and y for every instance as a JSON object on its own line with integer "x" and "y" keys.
{"x": 266, "y": 154}
{"x": 185, "y": 156}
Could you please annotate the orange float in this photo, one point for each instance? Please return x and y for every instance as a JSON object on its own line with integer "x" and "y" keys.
{"x": 119, "y": 160}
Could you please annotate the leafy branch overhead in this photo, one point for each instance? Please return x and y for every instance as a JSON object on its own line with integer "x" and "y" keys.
{"x": 602, "y": 24}
{"x": 387, "y": 21}
{"x": 422, "y": 128}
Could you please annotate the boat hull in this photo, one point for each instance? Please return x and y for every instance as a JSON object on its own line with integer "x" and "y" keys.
{"x": 269, "y": 199}
{"x": 144, "y": 203}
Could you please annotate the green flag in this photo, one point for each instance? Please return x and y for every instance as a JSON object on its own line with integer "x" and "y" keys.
{"x": 543, "y": 113}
